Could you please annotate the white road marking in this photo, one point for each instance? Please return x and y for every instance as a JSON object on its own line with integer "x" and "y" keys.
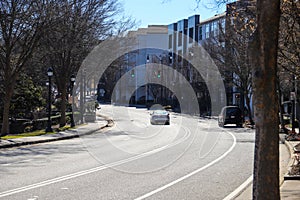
{"x": 34, "y": 198}
{"x": 192, "y": 173}
{"x": 238, "y": 190}
{"x": 6, "y": 164}
{"x": 96, "y": 169}
{"x": 16, "y": 162}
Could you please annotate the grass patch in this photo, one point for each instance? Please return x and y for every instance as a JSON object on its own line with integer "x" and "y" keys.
{"x": 29, "y": 134}
{"x": 66, "y": 127}
{"x": 39, "y": 132}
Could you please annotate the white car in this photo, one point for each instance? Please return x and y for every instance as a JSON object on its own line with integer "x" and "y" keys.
{"x": 160, "y": 117}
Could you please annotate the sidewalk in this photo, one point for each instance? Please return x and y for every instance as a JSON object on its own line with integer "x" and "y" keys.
{"x": 289, "y": 189}
{"x": 85, "y": 129}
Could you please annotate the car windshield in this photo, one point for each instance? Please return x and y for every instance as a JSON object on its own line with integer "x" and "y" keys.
{"x": 160, "y": 112}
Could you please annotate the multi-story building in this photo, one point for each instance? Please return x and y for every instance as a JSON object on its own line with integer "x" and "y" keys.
{"x": 150, "y": 47}
{"x": 211, "y": 27}
{"x": 184, "y": 36}
{"x": 173, "y": 46}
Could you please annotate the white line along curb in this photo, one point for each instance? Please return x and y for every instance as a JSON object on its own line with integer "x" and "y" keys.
{"x": 238, "y": 190}
{"x": 192, "y": 173}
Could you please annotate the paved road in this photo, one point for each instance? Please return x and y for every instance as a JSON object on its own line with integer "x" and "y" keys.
{"x": 190, "y": 159}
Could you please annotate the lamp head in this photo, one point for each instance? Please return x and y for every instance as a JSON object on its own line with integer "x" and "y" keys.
{"x": 50, "y": 72}
{"x": 72, "y": 78}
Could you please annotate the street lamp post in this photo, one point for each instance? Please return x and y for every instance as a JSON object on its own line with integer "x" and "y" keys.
{"x": 292, "y": 98}
{"x": 160, "y": 76}
{"x": 49, "y": 124}
{"x": 72, "y": 79}
{"x": 146, "y": 71}
{"x": 81, "y": 96}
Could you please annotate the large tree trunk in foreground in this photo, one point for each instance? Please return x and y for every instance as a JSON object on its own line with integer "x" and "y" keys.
{"x": 264, "y": 52}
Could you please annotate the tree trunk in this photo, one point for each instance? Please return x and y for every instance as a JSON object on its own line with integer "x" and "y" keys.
{"x": 249, "y": 109}
{"x": 63, "y": 107}
{"x": 264, "y": 55}
{"x": 282, "y": 124}
{"x": 9, "y": 89}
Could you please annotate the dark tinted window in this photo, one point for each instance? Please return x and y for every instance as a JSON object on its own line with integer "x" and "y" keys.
{"x": 233, "y": 111}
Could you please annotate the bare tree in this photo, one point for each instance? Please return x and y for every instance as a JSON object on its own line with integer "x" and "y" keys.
{"x": 229, "y": 49}
{"x": 288, "y": 51}
{"x": 77, "y": 27}
{"x": 22, "y": 23}
{"x": 240, "y": 25}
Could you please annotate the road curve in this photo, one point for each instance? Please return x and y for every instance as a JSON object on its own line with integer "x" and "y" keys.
{"x": 190, "y": 159}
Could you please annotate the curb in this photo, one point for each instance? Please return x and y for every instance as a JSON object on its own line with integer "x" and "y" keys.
{"x": 291, "y": 178}
{"x": 290, "y": 164}
{"x": 290, "y": 149}
{"x": 110, "y": 123}
{"x": 17, "y": 144}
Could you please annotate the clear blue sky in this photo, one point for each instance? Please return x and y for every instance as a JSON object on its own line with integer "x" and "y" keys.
{"x": 164, "y": 12}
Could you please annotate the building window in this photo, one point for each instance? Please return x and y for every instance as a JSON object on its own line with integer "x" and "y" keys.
{"x": 175, "y": 42}
{"x": 207, "y": 31}
{"x": 200, "y": 33}
{"x": 191, "y": 35}
{"x": 223, "y": 24}
{"x": 215, "y": 28}
{"x": 170, "y": 41}
{"x": 222, "y": 44}
{"x": 179, "y": 56}
{"x": 232, "y": 21}
{"x": 180, "y": 38}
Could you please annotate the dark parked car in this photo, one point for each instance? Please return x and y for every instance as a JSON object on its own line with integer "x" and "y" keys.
{"x": 160, "y": 117}
{"x": 231, "y": 115}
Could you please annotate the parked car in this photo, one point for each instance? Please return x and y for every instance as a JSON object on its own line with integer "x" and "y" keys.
{"x": 231, "y": 115}
{"x": 160, "y": 117}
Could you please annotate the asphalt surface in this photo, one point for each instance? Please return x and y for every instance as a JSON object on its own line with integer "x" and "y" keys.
{"x": 190, "y": 159}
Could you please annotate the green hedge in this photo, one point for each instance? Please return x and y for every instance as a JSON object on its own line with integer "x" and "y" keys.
{"x": 24, "y": 125}
{"x": 19, "y": 125}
